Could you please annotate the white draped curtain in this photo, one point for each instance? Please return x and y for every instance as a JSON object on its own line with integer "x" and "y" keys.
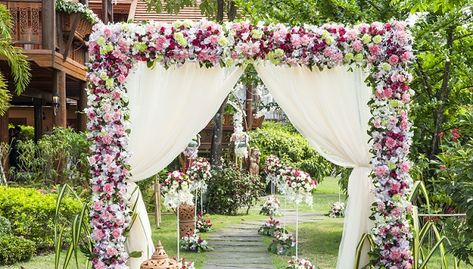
{"x": 167, "y": 108}
{"x": 330, "y": 109}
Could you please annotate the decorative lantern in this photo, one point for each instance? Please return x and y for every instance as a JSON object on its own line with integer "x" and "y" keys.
{"x": 159, "y": 260}
{"x": 186, "y": 219}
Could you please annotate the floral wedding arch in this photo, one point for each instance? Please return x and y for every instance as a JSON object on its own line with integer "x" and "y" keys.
{"x": 383, "y": 49}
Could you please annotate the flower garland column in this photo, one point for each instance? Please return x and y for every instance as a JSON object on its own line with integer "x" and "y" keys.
{"x": 391, "y": 141}
{"x": 107, "y": 114}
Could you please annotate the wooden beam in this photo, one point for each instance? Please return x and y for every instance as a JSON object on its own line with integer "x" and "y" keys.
{"x": 81, "y": 105}
{"x": 75, "y": 24}
{"x": 131, "y": 14}
{"x": 59, "y": 89}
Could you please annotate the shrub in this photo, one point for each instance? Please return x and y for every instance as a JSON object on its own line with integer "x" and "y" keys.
{"x": 59, "y": 156}
{"x": 230, "y": 189}
{"x": 5, "y": 226}
{"x": 291, "y": 147}
{"x": 15, "y": 249}
{"x": 32, "y": 214}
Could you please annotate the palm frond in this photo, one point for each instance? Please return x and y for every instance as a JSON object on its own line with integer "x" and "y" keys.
{"x": 5, "y": 96}
{"x": 5, "y": 22}
{"x": 19, "y": 65}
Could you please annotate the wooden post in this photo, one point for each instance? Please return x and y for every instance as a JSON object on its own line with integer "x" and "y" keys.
{"x": 49, "y": 25}
{"x": 157, "y": 200}
{"x": 59, "y": 89}
{"x": 81, "y": 105}
{"x": 38, "y": 118}
{"x": 4, "y": 136}
{"x": 249, "y": 106}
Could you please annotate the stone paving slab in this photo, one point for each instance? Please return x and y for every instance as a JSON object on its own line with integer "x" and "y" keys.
{"x": 236, "y": 243}
{"x": 242, "y": 266}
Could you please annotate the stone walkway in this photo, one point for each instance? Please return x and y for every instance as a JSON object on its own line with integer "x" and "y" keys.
{"x": 238, "y": 247}
{"x": 241, "y": 247}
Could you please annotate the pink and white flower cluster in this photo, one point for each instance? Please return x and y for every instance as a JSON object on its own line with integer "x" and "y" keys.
{"x": 271, "y": 206}
{"x": 271, "y": 168}
{"x": 199, "y": 173}
{"x": 176, "y": 189}
{"x": 299, "y": 263}
{"x": 298, "y": 185}
{"x": 383, "y": 48}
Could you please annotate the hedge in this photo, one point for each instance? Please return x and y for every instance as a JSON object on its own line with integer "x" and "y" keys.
{"x": 15, "y": 249}
{"x": 31, "y": 214}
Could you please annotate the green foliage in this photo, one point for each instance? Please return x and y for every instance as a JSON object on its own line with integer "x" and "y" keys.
{"x": 291, "y": 147}
{"x": 5, "y": 226}
{"x": 15, "y": 249}
{"x": 59, "y": 156}
{"x": 230, "y": 189}
{"x": 32, "y": 214}
{"x": 71, "y": 7}
{"x": 19, "y": 65}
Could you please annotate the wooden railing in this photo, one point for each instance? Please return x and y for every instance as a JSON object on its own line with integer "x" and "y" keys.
{"x": 27, "y": 21}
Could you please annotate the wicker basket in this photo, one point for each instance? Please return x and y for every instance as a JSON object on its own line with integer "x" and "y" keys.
{"x": 159, "y": 260}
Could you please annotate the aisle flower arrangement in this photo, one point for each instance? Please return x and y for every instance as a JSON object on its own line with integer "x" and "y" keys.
{"x": 300, "y": 263}
{"x": 194, "y": 243}
{"x": 199, "y": 173}
{"x": 176, "y": 189}
{"x": 385, "y": 49}
{"x": 298, "y": 185}
{"x": 337, "y": 210}
{"x": 270, "y": 227}
{"x": 202, "y": 224}
{"x": 283, "y": 244}
{"x": 272, "y": 165}
{"x": 184, "y": 264}
{"x": 271, "y": 206}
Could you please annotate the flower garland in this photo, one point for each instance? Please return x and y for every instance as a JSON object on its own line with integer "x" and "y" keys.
{"x": 272, "y": 165}
{"x": 384, "y": 49}
{"x": 75, "y": 7}
{"x": 176, "y": 189}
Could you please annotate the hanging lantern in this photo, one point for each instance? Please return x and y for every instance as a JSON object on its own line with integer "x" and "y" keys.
{"x": 159, "y": 260}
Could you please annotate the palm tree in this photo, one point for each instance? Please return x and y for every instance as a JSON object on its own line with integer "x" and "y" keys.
{"x": 19, "y": 65}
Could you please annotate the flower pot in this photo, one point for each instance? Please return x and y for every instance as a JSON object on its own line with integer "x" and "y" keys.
{"x": 83, "y": 29}
{"x": 186, "y": 219}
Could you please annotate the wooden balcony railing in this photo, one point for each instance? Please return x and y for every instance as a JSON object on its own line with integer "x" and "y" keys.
{"x": 26, "y": 19}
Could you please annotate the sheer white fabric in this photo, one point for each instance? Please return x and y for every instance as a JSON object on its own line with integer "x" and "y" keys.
{"x": 330, "y": 108}
{"x": 167, "y": 109}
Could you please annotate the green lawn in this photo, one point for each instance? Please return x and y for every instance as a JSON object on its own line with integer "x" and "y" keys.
{"x": 318, "y": 241}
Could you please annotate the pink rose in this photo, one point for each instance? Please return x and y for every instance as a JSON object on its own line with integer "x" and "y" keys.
{"x": 374, "y": 49}
{"x": 107, "y": 117}
{"x": 406, "y": 56}
{"x": 111, "y": 251}
{"x": 116, "y": 95}
{"x": 380, "y": 171}
{"x": 390, "y": 143}
{"x": 107, "y": 32}
{"x": 351, "y": 35}
{"x": 107, "y": 139}
{"x": 406, "y": 98}
{"x": 98, "y": 234}
{"x": 395, "y": 187}
{"x": 357, "y": 45}
{"x": 98, "y": 205}
{"x": 121, "y": 78}
{"x": 393, "y": 59}
{"x": 395, "y": 255}
{"x": 108, "y": 188}
{"x": 388, "y": 92}
{"x": 116, "y": 233}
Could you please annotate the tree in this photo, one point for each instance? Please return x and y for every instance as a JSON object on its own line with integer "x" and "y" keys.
{"x": 19, "y": 65}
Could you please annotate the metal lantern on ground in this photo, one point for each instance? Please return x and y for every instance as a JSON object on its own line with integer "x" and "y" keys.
{"x": 160, "y": 260}
{"x": 186, "y": 219}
